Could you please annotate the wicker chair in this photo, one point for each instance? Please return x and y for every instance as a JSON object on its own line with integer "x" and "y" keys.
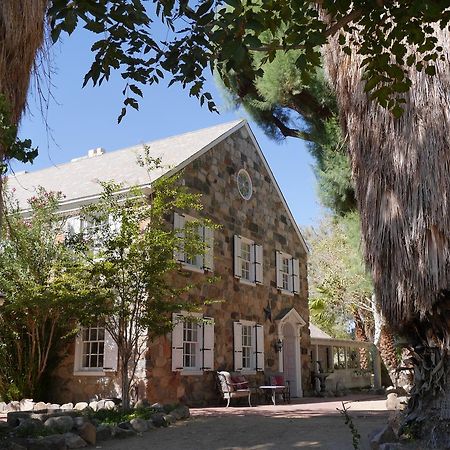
{"x": 230, "y": 389}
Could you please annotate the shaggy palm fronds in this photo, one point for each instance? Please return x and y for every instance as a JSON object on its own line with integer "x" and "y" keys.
{"x": 22, "y": 26}
{"x": 401, "y": 170}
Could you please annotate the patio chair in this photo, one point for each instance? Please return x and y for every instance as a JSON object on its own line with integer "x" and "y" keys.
{"x": 230, "y": 387}
{"x": 278, "y": 380}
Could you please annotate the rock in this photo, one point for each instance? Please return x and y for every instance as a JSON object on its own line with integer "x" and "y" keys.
{"x": 54, "y": 406}
{"x": 121, "y": 433}
{"x": 80, "y": 406}
{"x": 382, "y": 436}
{"x": 104, "y": 432}
{"x": 39, "y": 406}
{"x": 101, "y": 404}
{"x": 28, "y": 427}
{"x": 2, "y": 406}
{"x": 139, "y": 425}
{"x": 181, "y": 412}
{"x": 16, "y": 446}
{"x": 67, "y": 406}
{"x": 169, "y": 419}
{"x": 151, "y": 425}
{"x": 125, "y": 425}
{"x": 53, "y": 442}
{"x": 392, "y": 402}
{"x": 88, "y": 432}
{"x": 109, "y": 404}
{"x": 79, "y": 421}
{"x": 74, "y": 441}
{"x": 391, "y": 446}
{"x": 144, "y": 403}
{"x": 61, "y": 424}
{"x": 158, "y": 407}
{"x": 158, "y": 419}
{"x": 93, "y": 405}
{"x": 12, "y": 406}
{"x": 26, "y": 404}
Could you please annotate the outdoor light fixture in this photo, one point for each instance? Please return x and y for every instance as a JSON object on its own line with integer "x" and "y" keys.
{"x": 278, "y": 345}
{"x": 2, "y": 298}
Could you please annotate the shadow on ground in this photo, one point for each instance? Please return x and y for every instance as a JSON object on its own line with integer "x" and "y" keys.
{"x": 302, "y": 426}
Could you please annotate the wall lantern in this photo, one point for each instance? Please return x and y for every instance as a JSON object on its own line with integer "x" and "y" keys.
{"x": 278, "y": 345}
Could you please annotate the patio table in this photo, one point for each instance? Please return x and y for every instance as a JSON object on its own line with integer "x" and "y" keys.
{"x": 274, "y": 390}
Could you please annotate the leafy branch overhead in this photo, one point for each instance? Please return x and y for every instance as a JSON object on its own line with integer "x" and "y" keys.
{"x": 147, "y": 41}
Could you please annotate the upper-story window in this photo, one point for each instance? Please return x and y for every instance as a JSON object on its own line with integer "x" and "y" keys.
{"x": 248, "y": 260}
{"x": 288, "y": 273}
{"x": 202, "y": 262}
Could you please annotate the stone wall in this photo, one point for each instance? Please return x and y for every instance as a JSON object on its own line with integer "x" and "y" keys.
{"x": 264, "y": 220}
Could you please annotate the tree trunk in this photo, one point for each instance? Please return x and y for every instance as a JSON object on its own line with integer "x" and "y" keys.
{"x": 124, "y": 384}
{"x": 400, "y": 169}
{"x": 22, "y": 30}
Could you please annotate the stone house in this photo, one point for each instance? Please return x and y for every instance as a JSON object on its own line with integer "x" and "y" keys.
{"x": 258, "y": 255}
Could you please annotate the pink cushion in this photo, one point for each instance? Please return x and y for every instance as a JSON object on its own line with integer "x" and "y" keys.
{"x": 240, "y": 380}
{"x": 277, "y": 380}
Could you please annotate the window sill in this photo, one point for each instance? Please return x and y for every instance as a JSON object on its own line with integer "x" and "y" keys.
{"x": 192, "y": 268}
{"x": 191, "y": 372}
{"x": 247, "y": 282}
{"x": 248, "y": 371}
{"x": 90, "y": 373}
{"x": 285, "y": 292}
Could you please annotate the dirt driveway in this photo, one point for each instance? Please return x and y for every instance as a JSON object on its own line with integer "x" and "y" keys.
{"x": 308, "y": 423}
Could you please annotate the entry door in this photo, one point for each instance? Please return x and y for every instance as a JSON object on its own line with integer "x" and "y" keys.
{"x": 289, "y": 363}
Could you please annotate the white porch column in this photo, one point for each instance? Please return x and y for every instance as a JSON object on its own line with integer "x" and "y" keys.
{"x": 316, "y": 358}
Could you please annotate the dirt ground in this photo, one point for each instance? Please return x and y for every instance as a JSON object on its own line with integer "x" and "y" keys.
{"x": 307, "y": 423}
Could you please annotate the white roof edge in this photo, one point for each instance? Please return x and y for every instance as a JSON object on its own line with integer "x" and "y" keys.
{"x": 337, "y": 342}
{"x": 277, "y": 187}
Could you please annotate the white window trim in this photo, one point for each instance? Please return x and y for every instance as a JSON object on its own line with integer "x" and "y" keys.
{"x": 254, "y": 369}
{"x": 279, "y": 257}
{"x": 199, "y": 268}
{"x": 237, "y": 261}
{"x": 200, "y": 342}
{"x": 78, "y": 370}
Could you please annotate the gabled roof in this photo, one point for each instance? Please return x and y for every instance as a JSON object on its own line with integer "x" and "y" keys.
{"x": 316, "y": 333}
{"x": 79, "y": 179}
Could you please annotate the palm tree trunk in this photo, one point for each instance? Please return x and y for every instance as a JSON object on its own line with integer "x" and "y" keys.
{"x": 22, "y": 30}
{"x": 400, "y": 169}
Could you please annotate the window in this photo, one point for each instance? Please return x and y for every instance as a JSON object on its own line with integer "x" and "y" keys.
{"x": 288, "y": 270}
{"x": 95, "y": 352}
{"x": 339, "y": 358}
{"x": 248, "y": 346}
{"x": 93, "y": 348}
{"x": 192, "y": 344}
{"x": 204, "y": 262}
{"x": 248, "y": 260}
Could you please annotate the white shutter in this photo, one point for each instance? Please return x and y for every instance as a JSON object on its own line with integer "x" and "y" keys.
{"x": 111, "y": 353}
{"x": 177, "y": 343}
{"x": 259, "y": 348}
{"x": 278, "y": 269}
{"x": 237, "y": 349}
{"x": 178, "y": 226}
{"x": 114, "y": 224}
{"x": 72, "y": 226}
{"x": 208, "y": 344}
{"x": 208, "y": 237}
{"x": 295, "y": 275}
{"x": 258, "y": 264}
{"x": 237, "y": 256}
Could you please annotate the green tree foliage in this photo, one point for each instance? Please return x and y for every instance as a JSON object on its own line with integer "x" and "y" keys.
{"x": 130, "y": 249}
{"x": 47, "y": 293}
{"x": 339, "y": 283}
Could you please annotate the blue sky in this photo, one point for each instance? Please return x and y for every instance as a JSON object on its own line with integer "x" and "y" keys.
{"x": 75, "y": 120}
